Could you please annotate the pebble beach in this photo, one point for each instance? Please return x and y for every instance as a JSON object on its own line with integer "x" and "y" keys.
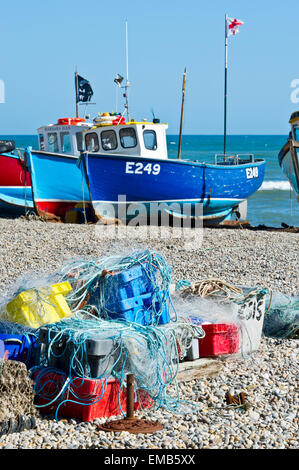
{"x": 269, "y": 377}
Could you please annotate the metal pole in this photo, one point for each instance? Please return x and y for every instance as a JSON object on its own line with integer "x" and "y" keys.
{"x": 76, "y": 88}
{"x": 130, "y": 396}
{"x": 225, "y": 86}
{"x": 182, "y": 113}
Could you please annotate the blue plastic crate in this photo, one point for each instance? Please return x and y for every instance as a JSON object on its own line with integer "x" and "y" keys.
{"x": 139, "y": 310}
{"x": 128, "y": 283}
{"x": 21, "y": 348}
{"x": 128, "y": 295}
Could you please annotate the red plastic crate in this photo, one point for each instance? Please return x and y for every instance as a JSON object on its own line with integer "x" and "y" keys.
{"x": 85, "y": 392}
{"x": 220, "y": 338}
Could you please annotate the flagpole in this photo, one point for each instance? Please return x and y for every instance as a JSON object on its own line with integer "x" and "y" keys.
{"x": 182, "y": 113}
{"x": 76, "y": 89}
{"x": 225, "y": 86}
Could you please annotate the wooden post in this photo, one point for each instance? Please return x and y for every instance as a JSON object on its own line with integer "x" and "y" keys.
{"x": 182, "y": 114}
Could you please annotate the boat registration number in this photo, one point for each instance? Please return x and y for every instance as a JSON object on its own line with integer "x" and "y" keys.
{"x": 252, "y": 172}
{"x": 141, "y": 168}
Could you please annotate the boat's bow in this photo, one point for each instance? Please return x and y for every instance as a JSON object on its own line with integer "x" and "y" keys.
{"x": 288, "y": 159}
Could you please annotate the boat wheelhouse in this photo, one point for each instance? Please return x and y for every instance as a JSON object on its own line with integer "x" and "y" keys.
{"x": 288, "y": 157}
{"x": 140, "y": 139}
{"x": 64, "y": 137}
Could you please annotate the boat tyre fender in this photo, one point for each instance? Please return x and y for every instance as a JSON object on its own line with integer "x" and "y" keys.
{"x": 7, "y": 146}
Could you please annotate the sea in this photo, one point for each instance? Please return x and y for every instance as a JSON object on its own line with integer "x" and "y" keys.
{"x": 273, "y": 204}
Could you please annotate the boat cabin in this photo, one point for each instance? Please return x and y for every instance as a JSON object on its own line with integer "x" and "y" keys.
{"x": 294, "y": 121}
{"x": 65, "y": 137}
{"x": 114, "y": 136}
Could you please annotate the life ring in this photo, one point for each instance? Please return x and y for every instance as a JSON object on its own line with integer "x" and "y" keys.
{"x": 69, "y": 121}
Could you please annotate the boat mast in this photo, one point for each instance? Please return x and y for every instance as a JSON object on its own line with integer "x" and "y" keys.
{"x": 76, "y": 91}
{"x": 225, "y": 86}
{"x": 182, "y": 113}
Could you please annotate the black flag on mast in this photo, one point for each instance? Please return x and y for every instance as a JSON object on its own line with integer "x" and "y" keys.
{"x": 84, "y": 90}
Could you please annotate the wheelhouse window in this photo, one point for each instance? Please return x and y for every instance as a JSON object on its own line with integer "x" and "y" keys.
{"x": 52, "y": 142}
{"x": 128, "y": 137}
{"x": 296, "y": 133}
{"x": 92, "y": 142}
{"x": 79, "y": 141}
{"x": 65, "y": 140}
{"x": 109, "y": 140}
{"x": 150, "y": 140}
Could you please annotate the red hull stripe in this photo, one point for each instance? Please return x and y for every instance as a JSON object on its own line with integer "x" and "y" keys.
{"x": 12, "y": 173}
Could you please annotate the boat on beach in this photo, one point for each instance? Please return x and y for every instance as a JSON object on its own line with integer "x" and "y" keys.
{"x": 127, "y": 168}
{"x": 288, "y": 157}
{"x": 15, "y": 181}
{"x": 117, "y": 167}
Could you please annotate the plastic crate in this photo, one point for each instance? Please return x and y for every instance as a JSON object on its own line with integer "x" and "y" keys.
{"x": 220, "y": 338}
{"x": 94, "y": 398}
{"x": 40, "y": 307}
{"x": 21, "y": 348}
{"x": 96, "y": 361}
{"x": 128, "y": 296}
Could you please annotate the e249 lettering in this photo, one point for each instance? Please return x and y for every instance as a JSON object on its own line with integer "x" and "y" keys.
{"x": 139, "y": 168}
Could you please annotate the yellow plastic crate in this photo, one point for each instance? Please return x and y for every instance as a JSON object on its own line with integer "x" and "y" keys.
{"x": 37, "y": 307}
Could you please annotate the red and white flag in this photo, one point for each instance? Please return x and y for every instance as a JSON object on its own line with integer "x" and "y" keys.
{"x": 233, "y": 26}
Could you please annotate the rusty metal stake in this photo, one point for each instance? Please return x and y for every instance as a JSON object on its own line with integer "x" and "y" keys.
{"x": 130, "y": 423}
{"x": 130, "y": 396}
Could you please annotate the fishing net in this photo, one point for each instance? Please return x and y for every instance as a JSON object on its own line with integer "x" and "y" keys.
{"x": 78, "y": 347}
{"x": 215, "y": 301}
{"x": 123, "y": 322}
{"x": 282, "y": 319}
{"x": 137, "y": 283}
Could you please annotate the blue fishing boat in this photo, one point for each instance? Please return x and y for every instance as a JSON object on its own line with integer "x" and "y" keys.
{"x": 288, "y": 157}
{"x": 127, "y": 169}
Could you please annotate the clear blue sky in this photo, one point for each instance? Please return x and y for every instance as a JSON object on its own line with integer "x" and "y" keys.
{"x": 43, "y": 42}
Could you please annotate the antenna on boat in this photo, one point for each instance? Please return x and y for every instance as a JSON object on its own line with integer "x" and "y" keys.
{"x": 127, "y": 74}
{"x": 118, "y": 80}
{"x": 182, "y": 113}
